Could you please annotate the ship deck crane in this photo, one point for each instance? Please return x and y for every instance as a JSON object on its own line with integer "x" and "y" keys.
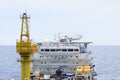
{"x": 25, "y": 48}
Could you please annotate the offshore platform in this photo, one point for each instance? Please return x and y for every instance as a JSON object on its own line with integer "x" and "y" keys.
{"x": 25, "y": 48}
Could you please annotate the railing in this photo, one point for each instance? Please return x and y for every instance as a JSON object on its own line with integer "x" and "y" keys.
{"x": 26, "y": 47}
{"x": 62, "y": 44}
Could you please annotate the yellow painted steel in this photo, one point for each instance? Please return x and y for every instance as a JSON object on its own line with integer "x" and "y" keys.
{"x": 87, "y": 69}
{"x": 80, "y": 69}
{"x": 83, "y": 69}
{"x": 25, "y": 48}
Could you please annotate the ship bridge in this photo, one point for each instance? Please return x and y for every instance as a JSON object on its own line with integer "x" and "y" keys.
{"x": 63, "y": 48}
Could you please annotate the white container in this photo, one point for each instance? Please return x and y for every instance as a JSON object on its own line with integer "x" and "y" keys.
{"x": 46, "y": 76}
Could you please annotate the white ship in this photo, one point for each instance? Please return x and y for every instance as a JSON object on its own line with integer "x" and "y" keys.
{"x": 66, "y": 55}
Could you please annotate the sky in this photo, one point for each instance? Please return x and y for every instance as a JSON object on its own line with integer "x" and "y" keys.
{"x": 97, "y": 20}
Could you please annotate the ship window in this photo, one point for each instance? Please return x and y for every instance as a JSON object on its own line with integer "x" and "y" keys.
{"x": 46, "y": 49}
{"x": 75, "y": 49}
{"x": 42, "y": 49}
{"x": 52, "y": 49}
{"x": 70, "y": 49}
{"x": 58, "y": 49}
{"x": 64, "y": 49}
{"x": 76, "y": 56}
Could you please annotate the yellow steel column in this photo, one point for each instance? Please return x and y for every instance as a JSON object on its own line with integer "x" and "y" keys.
{"x": 22, "y": 68}
{"x": 25, "y": 48}
{"x": 25, "y": 67}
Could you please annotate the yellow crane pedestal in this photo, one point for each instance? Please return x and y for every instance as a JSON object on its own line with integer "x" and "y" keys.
{"x": 25, "y": 48}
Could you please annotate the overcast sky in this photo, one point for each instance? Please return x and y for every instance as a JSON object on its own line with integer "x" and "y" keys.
{"x": 97, "y": 20}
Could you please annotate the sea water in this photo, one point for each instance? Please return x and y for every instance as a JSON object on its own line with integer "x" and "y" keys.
{"x": 9, "y": 67}
{"x": 106, "y": 59}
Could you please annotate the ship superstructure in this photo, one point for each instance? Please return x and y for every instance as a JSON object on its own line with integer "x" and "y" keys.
{"x": 66, "y": 55}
